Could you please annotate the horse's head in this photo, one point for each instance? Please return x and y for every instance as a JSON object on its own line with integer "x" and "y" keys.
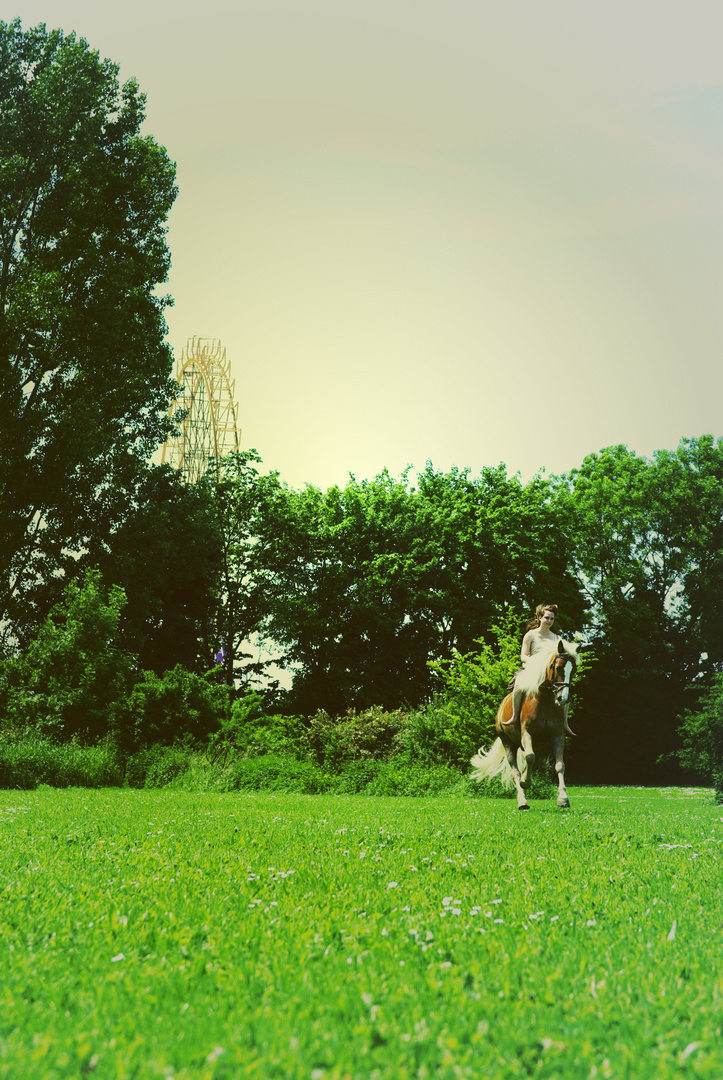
{"x": 561, "y": 669}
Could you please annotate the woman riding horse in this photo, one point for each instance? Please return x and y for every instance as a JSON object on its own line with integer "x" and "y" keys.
{"x": 539, "y": 636}
{"x": 545, "y": 683}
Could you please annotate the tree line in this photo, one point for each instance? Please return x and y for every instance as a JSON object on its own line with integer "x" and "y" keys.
{"x": 335, "y": 600}
{"x": 363, "y": 587}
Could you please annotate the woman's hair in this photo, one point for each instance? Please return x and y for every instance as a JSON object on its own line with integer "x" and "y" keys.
{"x": 539, "y": 612}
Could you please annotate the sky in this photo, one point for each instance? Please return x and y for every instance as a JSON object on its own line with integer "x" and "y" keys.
{"x": 439, "y": 230}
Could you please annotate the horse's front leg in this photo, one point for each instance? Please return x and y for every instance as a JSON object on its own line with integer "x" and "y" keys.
{"x": 511, "y": 752}
{"x": 529, "y": 753}
{"x": 559, "y": 748}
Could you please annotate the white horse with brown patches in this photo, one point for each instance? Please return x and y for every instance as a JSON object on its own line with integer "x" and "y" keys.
{"x": 545, "y": 681}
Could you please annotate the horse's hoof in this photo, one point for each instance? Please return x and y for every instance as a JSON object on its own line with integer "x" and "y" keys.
{"x": 564, "y": 805}
{"x": 524, "y": 806}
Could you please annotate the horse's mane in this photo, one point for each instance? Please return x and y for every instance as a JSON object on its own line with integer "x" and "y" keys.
{"x": 534, "y": 673}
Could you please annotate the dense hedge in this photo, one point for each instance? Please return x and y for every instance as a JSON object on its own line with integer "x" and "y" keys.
{"x": 27, "y": 765}
{"x": 28, "y": 762}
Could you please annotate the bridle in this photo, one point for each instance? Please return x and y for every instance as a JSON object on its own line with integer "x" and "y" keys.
{"x": 556, "y": 686}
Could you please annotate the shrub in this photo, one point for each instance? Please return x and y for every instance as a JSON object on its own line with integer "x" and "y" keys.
{"x": 474, "y": 685}
{"x": 158, "y": 766}
{"x": 162, "y": 709}
{"x": 401, "y": 778}
{"x": 274, "y": 772}
{"x": 72, "y": 676}
{"x": 426, "y": 737}
{"x": 30, "y": 760}
{"x": 373, "y": 734}
{"x": 702, "y": 735}
{"x": 248, "y": 730}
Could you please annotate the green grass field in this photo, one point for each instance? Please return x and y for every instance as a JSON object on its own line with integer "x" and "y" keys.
{"x": 176, "y": 935}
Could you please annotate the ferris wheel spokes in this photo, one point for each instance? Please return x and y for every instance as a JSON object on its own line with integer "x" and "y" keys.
{"x": 209, "y": 429}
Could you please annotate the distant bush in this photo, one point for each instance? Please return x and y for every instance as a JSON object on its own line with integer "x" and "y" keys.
{"x": 373, "y": 734}
{"x": 70, "y": 679}
{"x": 247, "y": 729}
{"x": 276, "y": 772}
{"x": 401, "y": 778}
{"x": 161, "y": 709}
{"x": 158, "y": 766}
{"x": 282, "y": 773}
{"x": 463, "y": 716}
{"x": 32, "y": 760}
{"x": 702, "y": 735}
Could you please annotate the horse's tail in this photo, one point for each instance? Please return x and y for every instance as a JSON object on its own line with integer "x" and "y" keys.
{"x": 488, "y": 764}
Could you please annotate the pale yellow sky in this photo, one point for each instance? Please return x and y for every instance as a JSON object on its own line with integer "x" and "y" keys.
{"x": 468, "y": 232}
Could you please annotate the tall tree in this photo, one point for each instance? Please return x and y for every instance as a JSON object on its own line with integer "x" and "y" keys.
{"x": 252, "y": 522}
{"x": 166, "y": 554}
{"x": 84, "y": 372}
{"x": 649, "y": 547}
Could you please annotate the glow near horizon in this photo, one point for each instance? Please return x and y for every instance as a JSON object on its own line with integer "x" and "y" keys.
{"x": 464, "y": 233}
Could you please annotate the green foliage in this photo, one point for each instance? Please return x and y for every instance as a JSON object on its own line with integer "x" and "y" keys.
{"x": 277, "y": 772}
{"x": 85, "y": 373}
{"x": 280, "y": 772}
{"x": 250, "y": 517}
{"x": 163, "y": 709}
{"x": 247, "y": 729}
{"x": 74, "y": 675}
{"x": 474, "y": 686}
{"x": 371, "y": 734}
{"x": 360, "y": 587}
{"x": 702, "y": 735}
{"x": 401, "y": 777}
{"x": 166, "y": 555}
{"x": 158, "y": 766}
{"x": 30, "y": 760}
{"x": 648, "y": 543}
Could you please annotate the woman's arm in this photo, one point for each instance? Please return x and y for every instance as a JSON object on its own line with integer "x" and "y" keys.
{"x": 526, "y": 646}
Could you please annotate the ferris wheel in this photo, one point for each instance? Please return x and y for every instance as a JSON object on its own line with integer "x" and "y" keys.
{"x": 209, "y": 429}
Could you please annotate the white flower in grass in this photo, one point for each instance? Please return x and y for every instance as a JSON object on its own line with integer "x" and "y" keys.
{"x": 215, "y": 1054}
{"x": 592, "y": 922}
{"x": 672, "y": 931}
{"x": 392, "y": 884}
{"x": 115, "y": 959}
